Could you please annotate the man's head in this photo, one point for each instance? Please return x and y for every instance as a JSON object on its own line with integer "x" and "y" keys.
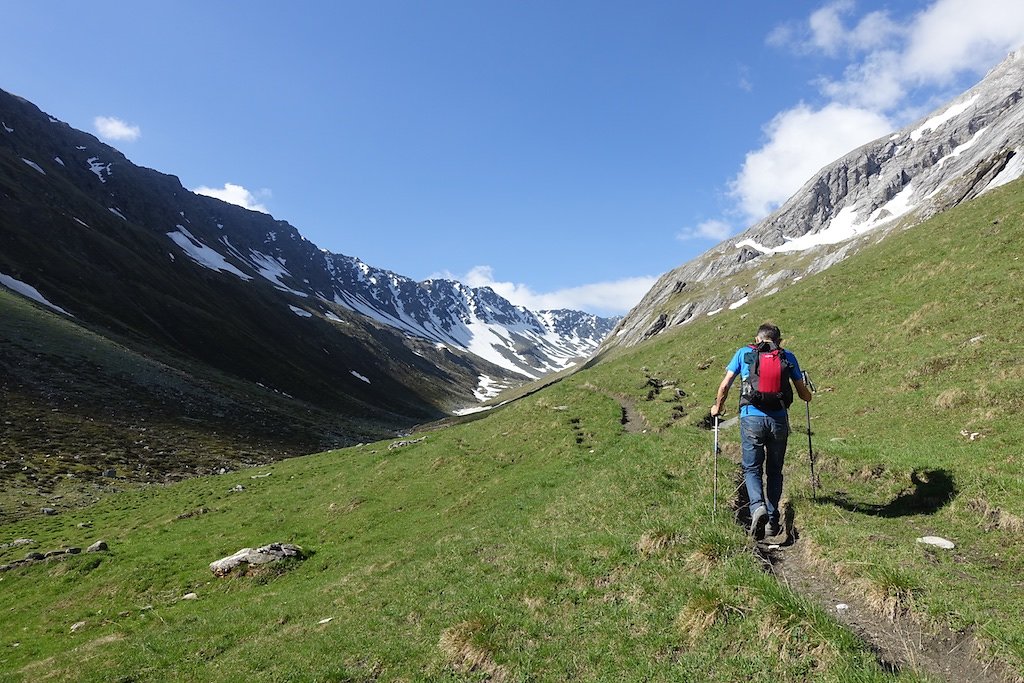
{"x": 769, "y": 332}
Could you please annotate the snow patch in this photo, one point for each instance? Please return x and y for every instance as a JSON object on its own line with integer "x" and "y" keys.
{"x": 59, "y": 160}
{"x": 301, "y": 312}
{"x": 7, "y": 128}
{"x": 99, "y": 168}
{"x": 939, "y": 119}
{"x": 474, "y": 409}
{"x": 330, "y": 315}
{"x": 117, "y": 213}
{"x": 1013, "y": 170}
{"x": 358, "y": 376}
{"x": 736, "y": 304}
{"x": 30, "y": 292}
{"x": 960, "y": 149}
{"x": 488, "y": 388}
{"x": 845, "y": 225}
{"x": 202, "y": 254}
{"x": 273, "y": 270}
{"x": 80, "y": 222}
{"x": 715, "y": 312}
{"x": 34, "y": 165}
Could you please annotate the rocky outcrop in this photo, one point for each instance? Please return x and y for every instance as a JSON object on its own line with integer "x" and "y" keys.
{"x": 972, "y": 144}
{"x": 248, "y": 557}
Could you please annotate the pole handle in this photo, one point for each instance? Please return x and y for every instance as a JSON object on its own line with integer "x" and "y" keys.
{"x": 809, "y": 383}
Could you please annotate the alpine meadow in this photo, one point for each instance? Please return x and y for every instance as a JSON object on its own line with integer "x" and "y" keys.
{"x": 569, "y": 534}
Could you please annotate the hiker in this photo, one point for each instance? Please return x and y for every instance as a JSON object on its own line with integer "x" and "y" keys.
{"x": 766, "y": 371}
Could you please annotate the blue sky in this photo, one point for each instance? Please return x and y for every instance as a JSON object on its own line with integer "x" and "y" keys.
{"x": 566, "y": 153}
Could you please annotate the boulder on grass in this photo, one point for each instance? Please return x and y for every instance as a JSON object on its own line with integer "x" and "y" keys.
{"x": 260, "y": 556}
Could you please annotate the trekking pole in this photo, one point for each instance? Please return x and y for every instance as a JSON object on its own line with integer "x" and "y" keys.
{"x": 810, "y": 447}
{"x": 714, "y": 457}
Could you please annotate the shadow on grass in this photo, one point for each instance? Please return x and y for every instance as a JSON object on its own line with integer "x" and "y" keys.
{"x": 932, "y": 490}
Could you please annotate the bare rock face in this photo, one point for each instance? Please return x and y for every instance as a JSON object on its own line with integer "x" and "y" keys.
{"x": 259, "y": 556}
{"x": 965, "y": 148}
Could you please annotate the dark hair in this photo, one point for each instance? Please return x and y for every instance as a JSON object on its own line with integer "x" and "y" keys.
{"x": 771, "y": 332}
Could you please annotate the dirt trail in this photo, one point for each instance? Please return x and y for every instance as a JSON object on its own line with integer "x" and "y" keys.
{"x": 633, "y": 421}
{"x": 900, "y": 643}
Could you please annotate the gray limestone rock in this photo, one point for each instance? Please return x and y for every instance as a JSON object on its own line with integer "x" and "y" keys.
{"x": 260, "y": 556}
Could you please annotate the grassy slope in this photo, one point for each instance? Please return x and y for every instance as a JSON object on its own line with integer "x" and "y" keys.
{"x": 544, "y": 543}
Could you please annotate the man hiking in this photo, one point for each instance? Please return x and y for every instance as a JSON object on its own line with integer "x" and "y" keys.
{"x": 766, "y": 371}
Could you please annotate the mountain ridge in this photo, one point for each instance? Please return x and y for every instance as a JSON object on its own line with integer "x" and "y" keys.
{"x": 499, "y": 339}
{"x": 962, "y": 149}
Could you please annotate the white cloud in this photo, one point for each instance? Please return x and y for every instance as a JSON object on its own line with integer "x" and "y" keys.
{"x": 888, "y": 59}
{"x": 830, "y": 34}
{"x": 800, "y": 142}
{"x": 712, "y": 230}
{"x": 111, "y": 128}
{"x": 237, "y": 195}
{"x": 953, "y": 36}
{"x": 602, "y": 298}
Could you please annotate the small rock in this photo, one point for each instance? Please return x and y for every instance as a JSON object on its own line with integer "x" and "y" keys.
{"x": 110, "y": 473}
{"x": 842, "y": 607}
{"x": 49, "y": 511}
{"x": 937, "y": 541}
{"x": 237, "y": 488}
{"x": 72, "y": 550}
{"x": 190, "y": 596}
{"x": 85, "y": 525}
{"x": 77, "y": 626}
{"x": 326, "y": 621}
{"x": 97, "y": 547}
{"x": 34, "y": 557}
{"x": 53, "y": 553}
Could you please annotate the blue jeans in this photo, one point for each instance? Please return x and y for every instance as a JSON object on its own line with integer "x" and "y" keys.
{"x": 764, "y": 449}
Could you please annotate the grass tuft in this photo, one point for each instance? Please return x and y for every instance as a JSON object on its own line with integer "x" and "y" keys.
{"x": 459, "y": 646}
{"x": 708, "y": 606}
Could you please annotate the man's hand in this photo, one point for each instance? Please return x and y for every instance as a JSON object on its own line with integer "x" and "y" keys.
{"x": 723, "y": 393}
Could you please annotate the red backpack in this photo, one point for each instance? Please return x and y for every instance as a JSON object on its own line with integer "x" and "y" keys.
{"x": 768, "y": 386}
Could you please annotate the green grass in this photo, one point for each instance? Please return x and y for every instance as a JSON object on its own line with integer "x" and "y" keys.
{"x": 542, "y": 542}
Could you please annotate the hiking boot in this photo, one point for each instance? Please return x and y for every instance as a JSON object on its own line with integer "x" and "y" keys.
{"x": 757, "y": 518}
{"x": 772, "y": 529}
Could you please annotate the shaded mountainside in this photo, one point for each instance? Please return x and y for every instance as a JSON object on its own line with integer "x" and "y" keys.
{"x": 963, "y": 149}
{"x": 73, "y": 204}
{"x": 258, "y": 344}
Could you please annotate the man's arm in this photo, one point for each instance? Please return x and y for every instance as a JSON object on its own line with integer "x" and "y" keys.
{"x": 723, "y": 393}
{"x": 801, "y": 389}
